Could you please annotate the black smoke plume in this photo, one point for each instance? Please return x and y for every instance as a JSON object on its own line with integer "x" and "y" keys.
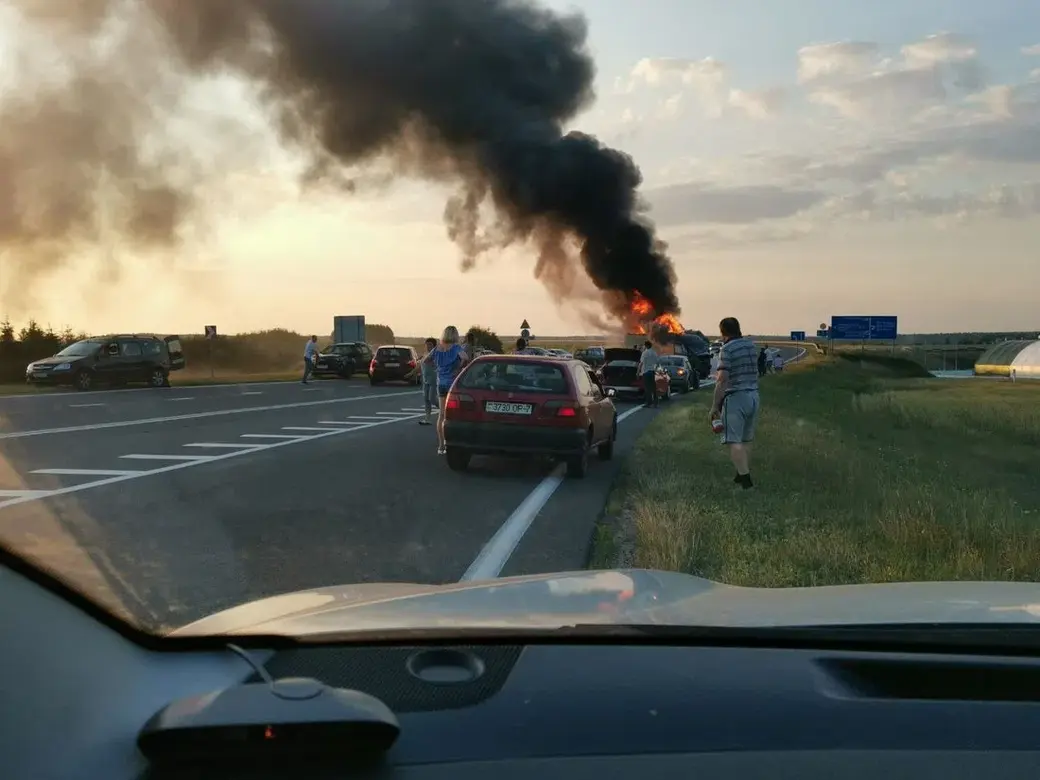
{"x": 474, "y": 92}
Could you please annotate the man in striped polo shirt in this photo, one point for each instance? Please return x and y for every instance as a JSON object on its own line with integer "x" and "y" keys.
{"x": 736, "y": 396}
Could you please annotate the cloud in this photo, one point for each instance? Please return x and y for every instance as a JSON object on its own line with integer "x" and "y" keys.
{"x": 914, "y": 133}
{"x": 1032, "y": 51}
{"x": 698, "y": 202}
{"x": 843, "y": 59}
{"x": 760, "y": 103}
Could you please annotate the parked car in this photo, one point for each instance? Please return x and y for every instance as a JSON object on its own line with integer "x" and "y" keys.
{"x": 620, "y": 375}
{"x": 525, "y": 405}
{"x": 681, "y": 375}
{"x": 110, "y": 360}
{"x": 394, "y": 363}
{"x": 591, "y": 356}
{"x": 343, "y": 359}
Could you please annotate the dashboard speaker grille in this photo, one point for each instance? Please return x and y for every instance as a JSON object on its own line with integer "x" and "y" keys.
{"x": 383, "y": 673}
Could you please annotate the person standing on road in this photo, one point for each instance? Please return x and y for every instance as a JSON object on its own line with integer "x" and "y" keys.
{"x": 648, "y": 370}
{"x": 429, "y": 380}
{"x": 762, "y": 359}
{"x": 778, "y": 362}
{"x": 736, "y": 397}
{"x": 449, "y": 357}
{"x": 310, "y": 352}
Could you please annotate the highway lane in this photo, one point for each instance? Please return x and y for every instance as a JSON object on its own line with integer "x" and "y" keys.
{"x": 65, "y": 409}
{"x": 213, "y": 511}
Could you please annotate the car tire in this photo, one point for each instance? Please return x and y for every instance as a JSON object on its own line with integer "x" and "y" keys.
{"x": 578, "y": 465}
{"x": 83, "y": 381}
{"x": 158, "y": 378}
{"x": 458, "y": 460}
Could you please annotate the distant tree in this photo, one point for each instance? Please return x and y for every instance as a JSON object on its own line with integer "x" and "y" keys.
{"x": 32, "y": 333}
{"x": 7, "y": 332}
{"x": 485, "y": 338}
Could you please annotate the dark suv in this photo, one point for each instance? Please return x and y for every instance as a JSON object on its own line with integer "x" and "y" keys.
{"x": 343, "y": 359}
{"x": 395, "y": 363}
{"x": 110, "y": 360}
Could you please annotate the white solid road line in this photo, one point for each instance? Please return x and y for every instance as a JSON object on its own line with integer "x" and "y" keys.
{"x": 272, "y": 436}
{"x": 83, "y": 406}
{"x": 497, "y": 552}
{"x": 200, "y": 415}
{"x": 303, "y": 428}
{"x": 21, "y": 494}
{"x": 86, "y": 472}
{"x": 142, "y": 390}
{"x": 27, "y": 496}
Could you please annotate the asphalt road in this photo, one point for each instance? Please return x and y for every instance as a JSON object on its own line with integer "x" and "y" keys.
{"x": 167, "y": 505}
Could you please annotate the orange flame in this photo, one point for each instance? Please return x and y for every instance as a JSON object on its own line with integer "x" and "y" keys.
{"x": 642, "y": 317}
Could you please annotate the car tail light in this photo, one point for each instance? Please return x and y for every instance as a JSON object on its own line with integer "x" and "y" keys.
{"x": 372, "y": 365}
{"x": 459, "y": 401}
{"x": 411, "y": 364}
{"x": 565, "y": 410}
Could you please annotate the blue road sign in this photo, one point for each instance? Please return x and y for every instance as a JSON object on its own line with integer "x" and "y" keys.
{"x": 863, "y": 328}
{"x": 797, "y": 335}
{"x": 821, "y": 334}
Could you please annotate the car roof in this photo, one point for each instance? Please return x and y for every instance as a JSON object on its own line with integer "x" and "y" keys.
{"x": 393, "y": 346}
{"x": 543, "y": 360}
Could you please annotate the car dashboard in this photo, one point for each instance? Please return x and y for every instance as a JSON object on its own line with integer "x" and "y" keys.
{"x": 77, "y": 694}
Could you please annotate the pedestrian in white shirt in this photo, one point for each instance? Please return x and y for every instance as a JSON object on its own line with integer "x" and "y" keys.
{"x": 310, "y": 353}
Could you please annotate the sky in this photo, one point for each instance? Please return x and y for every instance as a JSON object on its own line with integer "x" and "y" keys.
{"x": 802, "y": 159}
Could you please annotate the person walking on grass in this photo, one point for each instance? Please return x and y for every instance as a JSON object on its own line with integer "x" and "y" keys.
{"x": 736, "y": 397}
{"x": 429, "y": 381}
{"x": 448, "y": 357}
{"x": 310, "y": 353}
{"x": 648, "y": 370}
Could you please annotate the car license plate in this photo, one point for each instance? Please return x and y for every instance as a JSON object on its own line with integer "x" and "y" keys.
{"x": 391, "y": 365}
{"x": 505, "y": 408}
{"x": 38, "y": 374}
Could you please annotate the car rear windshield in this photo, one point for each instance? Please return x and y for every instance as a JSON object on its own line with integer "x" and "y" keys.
{"x": 518, "y": 376}
{"x": 673, "y": 361}
{"x": 388, "y": 353}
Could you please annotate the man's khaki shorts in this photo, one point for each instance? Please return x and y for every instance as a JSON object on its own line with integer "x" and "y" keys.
{"x": 739, "y": 415}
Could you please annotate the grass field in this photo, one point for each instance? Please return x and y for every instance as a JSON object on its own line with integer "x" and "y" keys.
{"x": 863, "y": 474}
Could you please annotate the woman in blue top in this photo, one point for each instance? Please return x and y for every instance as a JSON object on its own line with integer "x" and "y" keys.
{"x": 449, "y": 357}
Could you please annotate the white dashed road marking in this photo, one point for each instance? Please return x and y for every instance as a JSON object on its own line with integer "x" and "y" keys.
{"x": 303, "y": 428}
{"x": 83, "y": 406}
{"x": 158, "y": 456}
{"x": 15, "y": 497}
{"x": 200, "y": 415}
{"x": 86, "y": 472}
{"x": 221, "y": 445}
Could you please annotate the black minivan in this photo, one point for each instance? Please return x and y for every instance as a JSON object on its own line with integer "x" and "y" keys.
{"x": 112, "y": 361}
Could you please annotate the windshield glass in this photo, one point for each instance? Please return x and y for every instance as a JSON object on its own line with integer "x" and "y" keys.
{"x": 825, "y": 214}
{"x": 79, "y": 349}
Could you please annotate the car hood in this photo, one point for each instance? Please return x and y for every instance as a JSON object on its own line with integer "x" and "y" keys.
{"x": 57, "y": 361}
{"x": 617, "y": 597}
